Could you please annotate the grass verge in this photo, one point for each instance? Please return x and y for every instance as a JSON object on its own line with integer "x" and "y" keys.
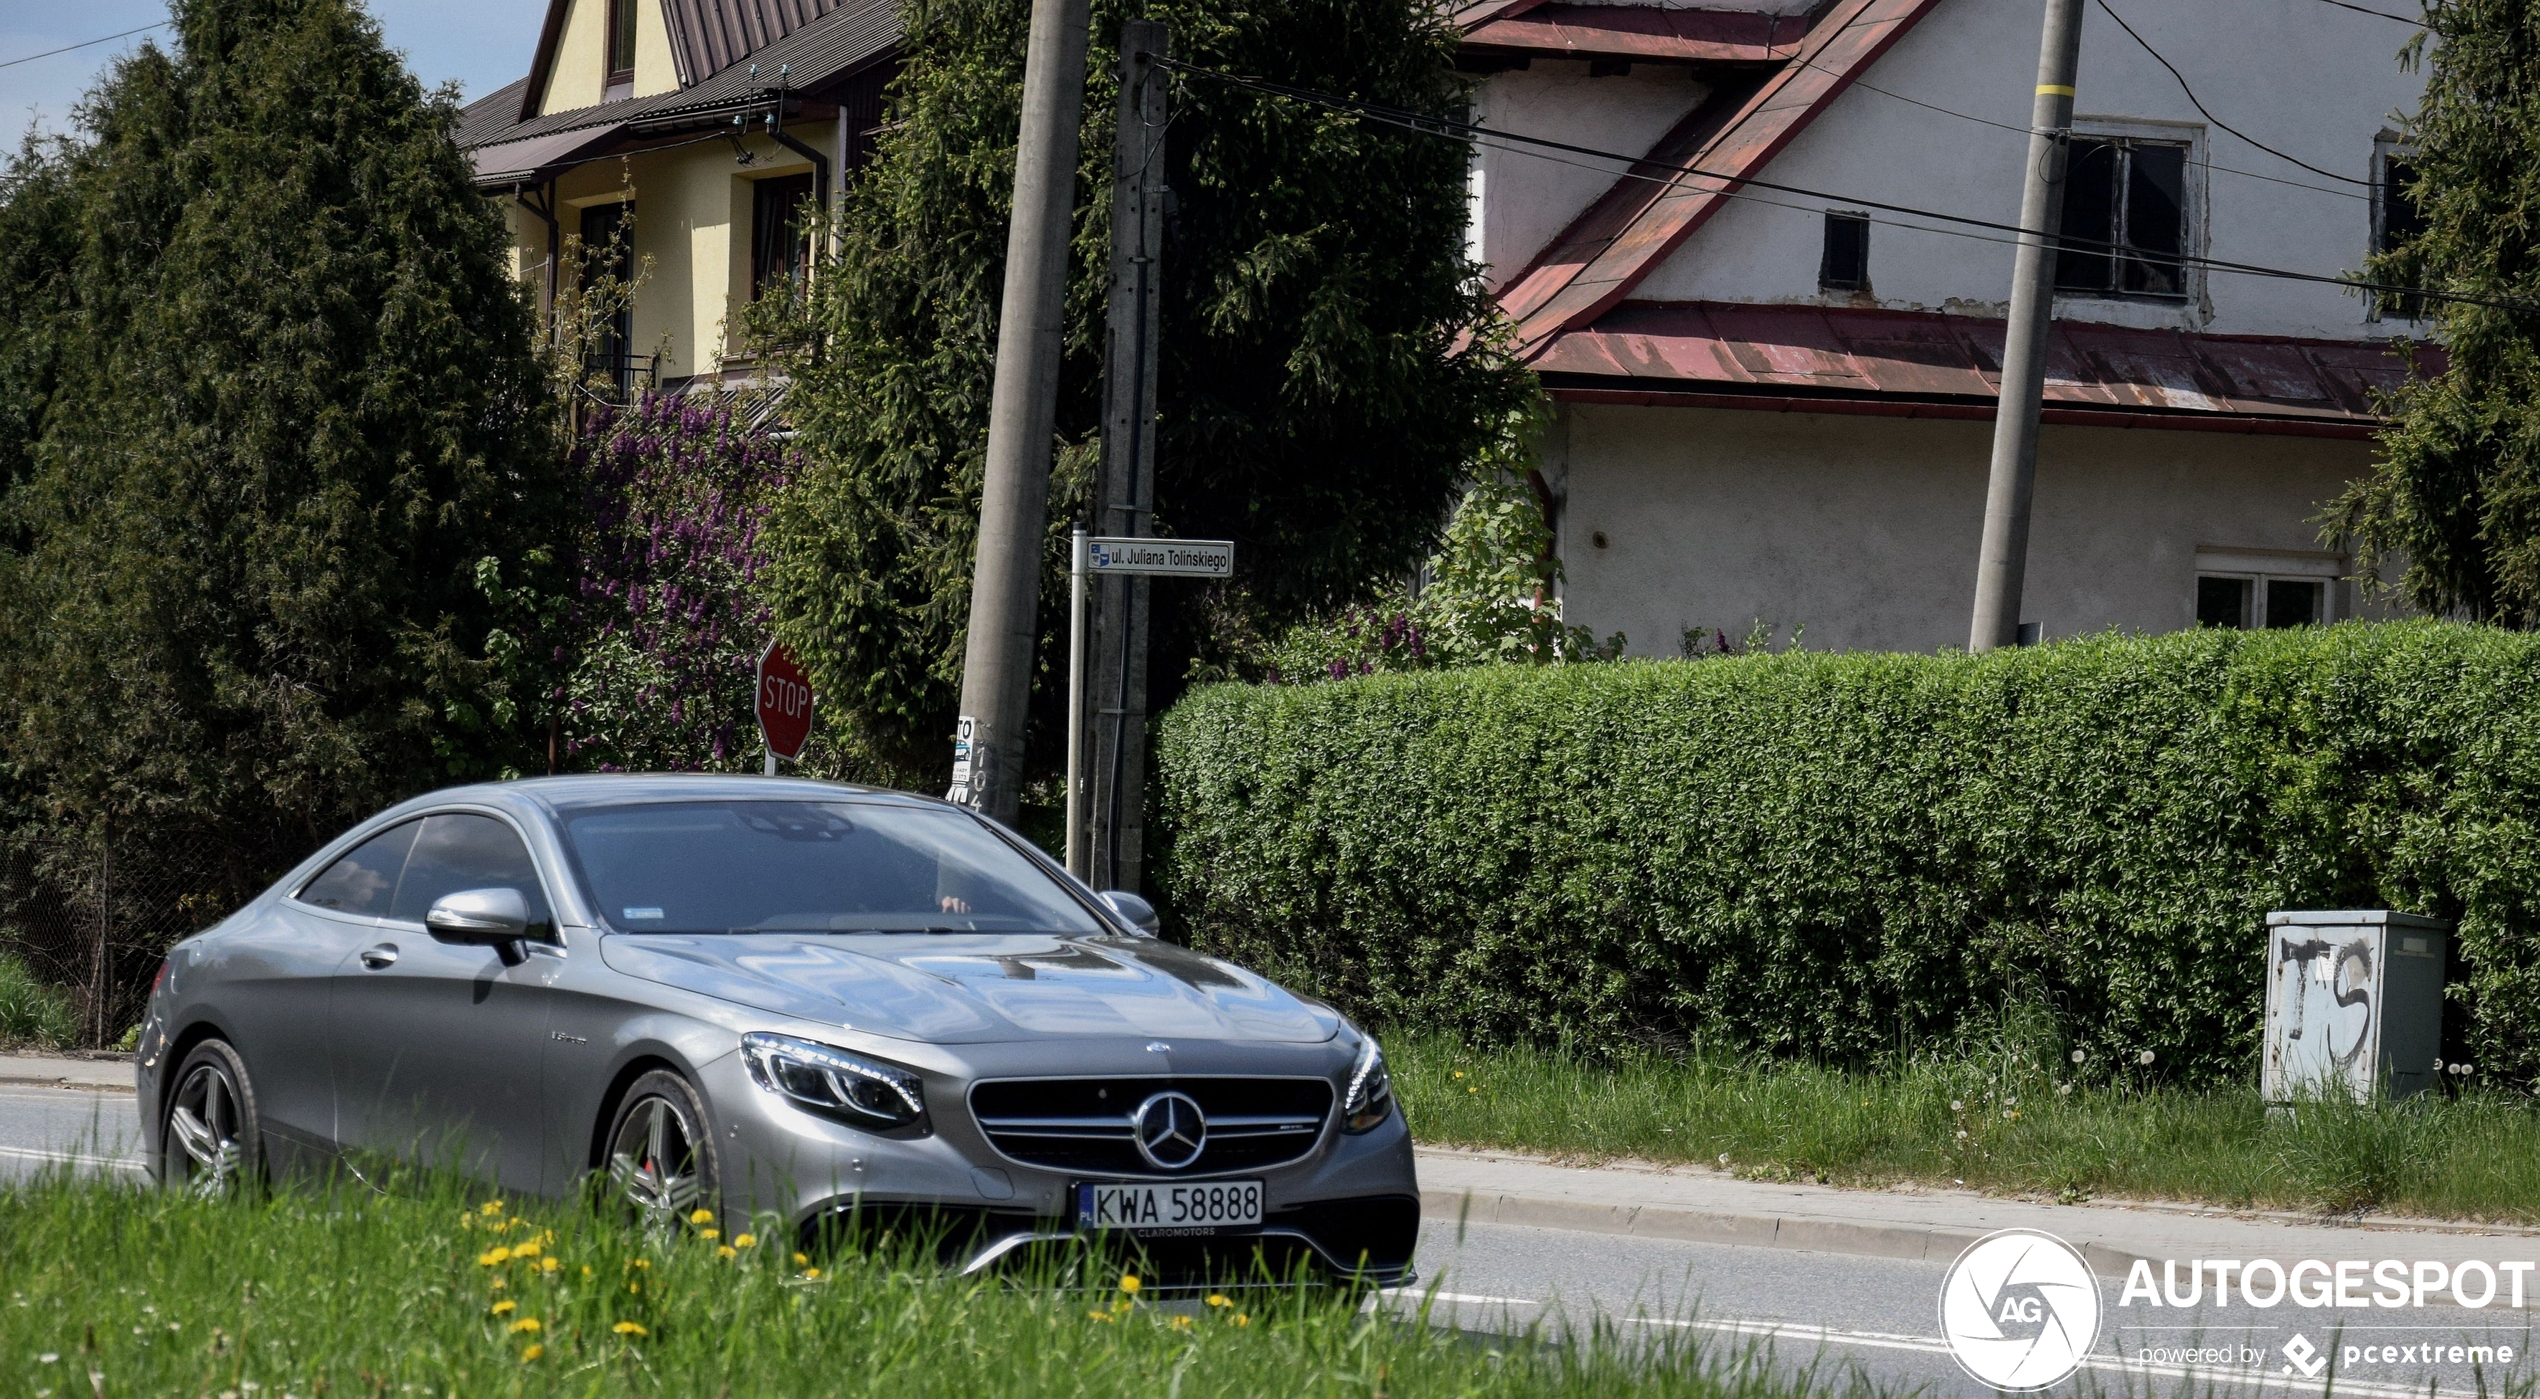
{"x": 32, "y": 1013}
{"x": 436, "y": 1293}
{"x": 2007, "y": 1121}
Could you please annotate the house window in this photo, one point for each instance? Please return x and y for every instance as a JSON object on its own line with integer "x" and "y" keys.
{"x": 608, "y": 255}
{"x": 1846, "y": 263}
{"x": 2245, "y": 602}
{"x": 780, "y": 238}
{"x": 2125, "y": 207}
{"x": 621, "y": 48}
{"x": 2396, "y": 221}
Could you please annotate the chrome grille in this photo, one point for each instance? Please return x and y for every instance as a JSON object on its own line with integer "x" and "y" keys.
{"x": 1082, "y": 1124}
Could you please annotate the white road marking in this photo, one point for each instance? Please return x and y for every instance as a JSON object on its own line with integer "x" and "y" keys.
{"x": 1878, "y": 1340}
{"x": 1414, "y": 1294}
{"x": 75, "y": 1158}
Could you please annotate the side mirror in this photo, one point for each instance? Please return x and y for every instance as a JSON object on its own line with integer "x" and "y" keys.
{"x": 496, "y": 918}
{"x": 1137, "y": 910}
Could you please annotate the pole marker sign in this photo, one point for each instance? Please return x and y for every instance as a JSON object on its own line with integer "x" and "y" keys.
{"x": 1178, "y": 558}
{"x": 784, "y": 702}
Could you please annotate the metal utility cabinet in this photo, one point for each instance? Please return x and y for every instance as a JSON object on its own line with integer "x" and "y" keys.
{"x": 2354, "y": 1003}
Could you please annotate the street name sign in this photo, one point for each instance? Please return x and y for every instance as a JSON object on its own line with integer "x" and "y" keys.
{"x": 1176, "y": 558}
{"x": 784, "y": 704}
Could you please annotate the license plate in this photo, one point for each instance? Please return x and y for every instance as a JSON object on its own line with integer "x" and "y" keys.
{"x": 1201, "y": 1207}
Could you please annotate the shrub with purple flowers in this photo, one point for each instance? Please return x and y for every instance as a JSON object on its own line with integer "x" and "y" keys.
{"x": 667, "y": 622}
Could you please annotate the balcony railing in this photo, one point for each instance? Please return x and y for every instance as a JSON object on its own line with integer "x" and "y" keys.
{"x": 618, "y": 379}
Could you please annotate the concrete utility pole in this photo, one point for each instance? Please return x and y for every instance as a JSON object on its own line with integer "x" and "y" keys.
{"x": 1112, "y": 827}
{"x": 2003, "y": 566}
{"x": 1005, "y": 583}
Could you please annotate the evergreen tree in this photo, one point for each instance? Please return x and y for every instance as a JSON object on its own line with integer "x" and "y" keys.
{"x": 275, "y": 441}
{"x": 2457, "y": 493}
{"x": 1328, "y": 375}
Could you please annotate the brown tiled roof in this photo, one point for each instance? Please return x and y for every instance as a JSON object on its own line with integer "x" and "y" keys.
{"x": 1788, "y": 357}
{"x": 851, "y": 37}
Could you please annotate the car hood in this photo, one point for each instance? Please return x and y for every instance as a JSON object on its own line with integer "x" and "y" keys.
{"x": 978, "y": 989}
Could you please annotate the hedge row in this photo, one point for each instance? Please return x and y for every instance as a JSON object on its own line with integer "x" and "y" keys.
{"x": 1837, "y": 856}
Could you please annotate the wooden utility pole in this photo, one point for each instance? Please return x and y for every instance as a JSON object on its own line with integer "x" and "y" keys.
{"x": 2002, "y": 568}
{"x": 1005, "y": 581}
{"x": 1111, "y": 827}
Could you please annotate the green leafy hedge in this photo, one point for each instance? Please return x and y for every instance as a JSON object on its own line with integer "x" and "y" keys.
{"x": 1838, "y": 856}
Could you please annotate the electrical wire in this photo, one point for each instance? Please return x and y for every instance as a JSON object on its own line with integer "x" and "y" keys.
{"x": 2377, "y": 14}
{"x": 2194, "y": 101}
{"x": 1427, "y": 124}
{"x": 87, "y": 44}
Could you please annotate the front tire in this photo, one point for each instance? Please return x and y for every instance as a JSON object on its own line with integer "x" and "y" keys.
{"x": 211, "y": 1143}
{"x": 661, "y": 1162}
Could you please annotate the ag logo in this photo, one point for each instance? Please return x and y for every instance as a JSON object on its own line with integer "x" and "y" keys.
{"x": 2020, "y": 1309}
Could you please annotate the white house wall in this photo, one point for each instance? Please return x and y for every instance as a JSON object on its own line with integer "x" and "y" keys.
{"x": 1862, "y": 531}
{"x": 1527, "y": 199}
{"x": 2314, "y": 80}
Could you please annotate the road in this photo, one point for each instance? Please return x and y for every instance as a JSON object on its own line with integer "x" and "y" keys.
{"x": 1853, "y": 1321}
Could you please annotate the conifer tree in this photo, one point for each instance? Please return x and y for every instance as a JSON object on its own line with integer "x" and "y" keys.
{"x": 274, "y": 441}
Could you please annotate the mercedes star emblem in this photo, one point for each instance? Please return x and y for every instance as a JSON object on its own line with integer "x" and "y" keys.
{"x": 1170, "y": 1130}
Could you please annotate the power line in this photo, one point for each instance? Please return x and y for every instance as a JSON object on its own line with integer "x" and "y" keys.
{"x": 86, "y": 44}
{"x": 2377, "y": 14}
{"x": 2199, "y": 105}
{"x": 1426, "y": 124}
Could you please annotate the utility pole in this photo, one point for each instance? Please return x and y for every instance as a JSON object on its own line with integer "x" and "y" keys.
{"x": 1112, "y": 827}
{"x": 2002, "y": 568}
{"x": 1005, "y": 582}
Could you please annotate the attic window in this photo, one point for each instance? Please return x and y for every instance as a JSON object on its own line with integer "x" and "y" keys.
{"x": 2125, "y": 208}
{"x": 621, "y": 48}
{"x": 1846, "y": 263}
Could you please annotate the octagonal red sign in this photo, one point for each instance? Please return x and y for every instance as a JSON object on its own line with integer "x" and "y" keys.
{"x": 784, "y": 702}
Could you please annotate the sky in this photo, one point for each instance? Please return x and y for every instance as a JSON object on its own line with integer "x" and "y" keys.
{"x": 482, "y": 44}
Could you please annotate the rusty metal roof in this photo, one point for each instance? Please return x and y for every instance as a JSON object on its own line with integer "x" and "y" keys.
{"x": 1640, "y": 33}
{"x": 1838, "y": 354}
{"x": 1630, "y": 230}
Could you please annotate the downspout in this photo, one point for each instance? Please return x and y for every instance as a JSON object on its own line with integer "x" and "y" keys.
{"x": 776, "y": 132}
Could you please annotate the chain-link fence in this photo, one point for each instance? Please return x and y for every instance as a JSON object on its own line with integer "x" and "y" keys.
{"x": 92, "y": 914}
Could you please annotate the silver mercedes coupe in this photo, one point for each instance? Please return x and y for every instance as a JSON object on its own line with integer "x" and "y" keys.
{"x": 759, "y": 995}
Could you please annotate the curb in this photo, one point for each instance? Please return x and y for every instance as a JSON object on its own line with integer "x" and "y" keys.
{"x": 1924, "y": 1243}
{"x": 26, "y": 1080}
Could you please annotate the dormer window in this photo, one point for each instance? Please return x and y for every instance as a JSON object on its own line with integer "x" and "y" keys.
{"x": 621, "y": 50}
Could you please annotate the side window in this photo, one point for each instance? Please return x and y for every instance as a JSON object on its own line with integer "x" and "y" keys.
{"x": 365, "y": 879}
{"x": 461, "y": 850}
{"x": 2125, "y": 210}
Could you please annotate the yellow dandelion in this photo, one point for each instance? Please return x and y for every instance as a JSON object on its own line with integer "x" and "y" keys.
{"x": 586, "y": 1270}
{"x": 526, "y": 1323}
{"x": 1242, "y": 1320}
{"x": 811, "y": 1272}
{"x": 1099, "y": 1316}
{"x": 801, "y": 1258}
{"x": 493, "y": 1256}
{"x": 1180, "y": 1323}
{"x": 709, "y": 1233}
{"x": 727, "y": 1251}
{"x": 701, "y": 1217}
{"x": 634, "y": 1287}
{"x": 629, "y": 1328}
{"x": 639, "y": 1263}
{"x": 532, "y": 1353}
{"x": 1472, "y": 1090}
{"x": 1218, "y": 1299}
{"x": 499, "y": 1285}
{"x": 744, "y": 1240}
{"x": 553, "y": 1265}
{"x": 526, "y": 1248}
{"x": 506, "y": 1305}
{"x": 1130, "y": 1284}
{"x": 490, "y": 1208}
{"x": 1459, "y": 1073}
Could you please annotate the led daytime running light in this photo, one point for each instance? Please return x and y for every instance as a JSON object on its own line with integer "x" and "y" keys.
{"x": 833, "y": 1081}
{"x": 1370, "y": 1096}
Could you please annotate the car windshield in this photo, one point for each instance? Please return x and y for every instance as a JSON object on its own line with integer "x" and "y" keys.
{"x": 811, "y": 867}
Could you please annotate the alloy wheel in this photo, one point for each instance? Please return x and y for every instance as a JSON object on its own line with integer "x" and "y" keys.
{"x": 203, "y": 1126}
{"x": 654, "y": 1161}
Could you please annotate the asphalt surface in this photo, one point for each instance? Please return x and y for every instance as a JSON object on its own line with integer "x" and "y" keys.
{"x": 1852, "y": 1325}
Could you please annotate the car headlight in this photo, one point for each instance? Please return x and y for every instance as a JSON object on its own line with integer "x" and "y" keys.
{"x": 1370, "y": 1097}
{"x": 866, "y": 1092}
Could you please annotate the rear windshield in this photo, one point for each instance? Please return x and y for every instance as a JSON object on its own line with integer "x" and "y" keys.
{"x": 811, "y": 867}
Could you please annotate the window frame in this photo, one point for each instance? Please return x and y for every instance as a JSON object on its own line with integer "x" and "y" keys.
{"x": 2259, "y": 567}
{"x": 1826, "y": 280}
{"x": 620, "y": 82}
{"x": 2193, "y": 199}
{"x": 762, "y": 239}
{"x": 2389, "y": 149}
{"x": 554, "y": 937}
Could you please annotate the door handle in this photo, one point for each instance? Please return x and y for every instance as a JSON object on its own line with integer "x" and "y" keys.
{"x": 381, "y": 957}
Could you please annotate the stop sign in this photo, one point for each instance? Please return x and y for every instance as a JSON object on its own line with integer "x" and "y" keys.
{"x": 784, "y": 702}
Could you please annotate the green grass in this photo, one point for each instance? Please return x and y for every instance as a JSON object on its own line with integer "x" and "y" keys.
{"x": 2007, "y": 1121}
{"x": 308, "y": 1292}
{"x": 31, "y": 1012}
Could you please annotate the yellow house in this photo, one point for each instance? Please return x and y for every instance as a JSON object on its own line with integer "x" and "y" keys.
{"x": 707, "y": 124}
